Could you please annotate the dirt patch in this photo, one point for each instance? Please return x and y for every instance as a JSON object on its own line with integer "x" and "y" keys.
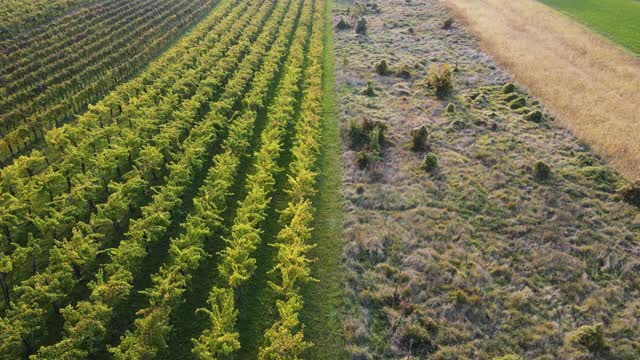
{"x": 484, "y": 252}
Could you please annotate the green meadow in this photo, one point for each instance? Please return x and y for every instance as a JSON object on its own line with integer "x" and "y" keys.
{"x": 617, "y": 19}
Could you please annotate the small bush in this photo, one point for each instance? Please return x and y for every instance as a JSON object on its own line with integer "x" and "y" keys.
{"x": 585, "y": 160}
{"x": 375, "y": 141}
{"x": 631, "y": 193}
{"x": 343, "y": 24}
{"x": 420, "y": 137}
{"x": 535, "y": 116}
{"x": 362, "y": 159}
{"x": 410, "y": 30}
{"x": 440, "y": 78}
{"x": 361, "y": 26}
{"x": 590, "y": 337}
{"x": 517, "y": 103}
{"x": 541, "y": 171}
{"x": 382, "y": 68}
{"x": 447, "y": 24}
{"x": 604, "y": 178}
{"x": 356, "y": 133}
{"x": 508, "y": 357}
{"x": 508, "y": 88}
{"x": 430, "y": 162}
{"x": 418, "y": 339}
{"x": 451, "y": 108}
{"x": 367, "y": 134}
{"x": 369, "y": 91}
{"x": 509, "y": 97}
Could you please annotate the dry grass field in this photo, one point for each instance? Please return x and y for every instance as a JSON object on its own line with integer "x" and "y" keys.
{"x": 589, "y": 83}
{"x": 501, "y": 237}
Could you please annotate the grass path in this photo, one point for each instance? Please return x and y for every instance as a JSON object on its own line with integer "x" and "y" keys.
{"x": 323, "y": 299}
{"x": 619, "y": 20}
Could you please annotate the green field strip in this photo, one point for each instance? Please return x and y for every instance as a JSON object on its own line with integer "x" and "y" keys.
{"x": 324, "y": 299}
{"x": 619, "y": 20}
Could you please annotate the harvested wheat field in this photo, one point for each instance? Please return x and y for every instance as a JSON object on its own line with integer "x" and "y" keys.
{"x": 476, "y": 226}
{"x": 591, "y": 84}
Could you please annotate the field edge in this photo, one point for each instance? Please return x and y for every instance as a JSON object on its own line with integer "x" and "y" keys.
{"x": 321, "y": 315}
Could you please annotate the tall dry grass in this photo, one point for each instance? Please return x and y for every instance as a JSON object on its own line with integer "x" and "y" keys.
{"x": 590, "y": 84}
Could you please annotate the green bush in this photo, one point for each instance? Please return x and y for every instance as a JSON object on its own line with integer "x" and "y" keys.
{"x": 440, "y": 78}
{"x": 590, "y": 337}
{"x": 418, "y": 339}
{"x": 430, "y": 162}
{"x": 375, "y": 141}
{"x": 369, "y": 91}
{"x": 631, "y": 193}
{"x": 420, "y": 138}
{"x": 382, "y": 68}
{"x": 508, "y": 357}
{"x": 361, "y": 26}
{"x": 508, "y": 88}
{"x": 517, "y": 103}
{"x": 356, "y": 133}
{"x": 362, "y": 159}
{"x": 535, "y": 116}
{"x": 541, "y": 171}
{"x": 585, "y": 160}
{"x": 343, "y": 24}
{"x": 603, "y": 177}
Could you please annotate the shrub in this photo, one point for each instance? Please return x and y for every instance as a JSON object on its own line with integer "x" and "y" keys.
{"x": 382, "y": 68}
{"x": 356, "y": 133}
{"x": 508, "y": 88}
{"x": 517, "y": 103}
{"x": 590, "y": 337}
{"x": 603, "y": 177}
{"x": 535, "y": 116}
{"x": 369, "y": 125}
{"x": 508, "y": 357}
{"x": 447, "y": 24}
{"x": 343, "y": 24}
{"x": 440, "y": 78}
{"x": 451, "y": 108}
{"x": 430, "y": 162}
{"x": 420, "y": 137}
{"x": 361, "y": 26}
{"x": 362, "y": 159}
{"x": 510, "y": 97}
{"x": 418, "y": 339}
{"x": 631, "y": 193}
{"x": 541, "y": 171}
{"x": 585, "y": 160}
{"x": 369, "y": 91}
{"x": 375, "y": 141}
{"x": 410, "y": 30}
{"x": 367, "y": 132}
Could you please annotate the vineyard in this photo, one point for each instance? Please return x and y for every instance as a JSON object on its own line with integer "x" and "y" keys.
{"x": 135, "y": 168}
